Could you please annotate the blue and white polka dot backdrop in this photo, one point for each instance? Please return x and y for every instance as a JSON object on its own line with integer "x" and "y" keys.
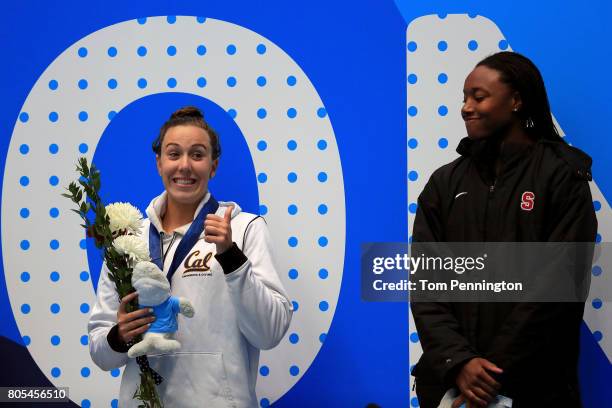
{"x": 441, "y": 51}
{"x": 293, "y": 148}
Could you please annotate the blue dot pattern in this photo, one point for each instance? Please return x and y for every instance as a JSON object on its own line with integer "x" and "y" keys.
{"x": 55, "y": 308}
{"x": 263, "y": 209}
{"x": 596, "y": 270}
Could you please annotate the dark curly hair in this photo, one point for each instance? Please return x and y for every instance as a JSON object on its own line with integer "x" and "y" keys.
{"x": 188, "y": 115}
{"x": 521, "y": 74}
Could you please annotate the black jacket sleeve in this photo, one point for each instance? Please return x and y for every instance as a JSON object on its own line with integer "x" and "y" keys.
{"x": 526, "y": 330}
{"x": 445, "y": 347}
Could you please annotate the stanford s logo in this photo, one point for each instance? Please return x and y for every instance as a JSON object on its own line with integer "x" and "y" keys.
{"x": 527, "y": 201}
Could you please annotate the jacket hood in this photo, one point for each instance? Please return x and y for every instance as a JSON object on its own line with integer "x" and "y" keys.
{"x": 485, "y": 150}
{"x": 157, "y": 208}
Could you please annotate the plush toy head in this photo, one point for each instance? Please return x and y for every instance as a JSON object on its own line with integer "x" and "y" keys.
{"x": 151, "y": 284}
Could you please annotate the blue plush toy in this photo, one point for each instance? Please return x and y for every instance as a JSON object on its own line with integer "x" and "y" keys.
{"x": 154, "y": 291}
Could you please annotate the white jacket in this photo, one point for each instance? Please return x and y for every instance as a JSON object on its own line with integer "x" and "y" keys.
{"x": 236, "y": 315}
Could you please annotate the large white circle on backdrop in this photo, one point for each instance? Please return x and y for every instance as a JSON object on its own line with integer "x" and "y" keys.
{"x": 294, "y": 152}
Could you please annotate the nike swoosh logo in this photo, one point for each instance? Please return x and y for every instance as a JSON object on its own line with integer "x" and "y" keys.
{"x": 460, "y": 194}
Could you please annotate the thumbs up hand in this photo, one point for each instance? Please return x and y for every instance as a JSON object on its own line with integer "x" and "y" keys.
{"x": 218, "y": 230}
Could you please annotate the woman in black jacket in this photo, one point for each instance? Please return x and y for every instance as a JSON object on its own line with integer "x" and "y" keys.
{"x": 516, "y": 181}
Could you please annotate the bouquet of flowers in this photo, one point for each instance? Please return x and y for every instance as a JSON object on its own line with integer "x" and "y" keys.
{"x": 114, "y": 228}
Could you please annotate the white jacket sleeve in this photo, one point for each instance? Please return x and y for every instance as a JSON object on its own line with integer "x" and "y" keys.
{"x": 103, "y": 318}
{"x": 263, "y": 308}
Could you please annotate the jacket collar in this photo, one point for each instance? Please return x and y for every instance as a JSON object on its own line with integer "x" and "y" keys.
{"x": 489, "y": 149}
{"x": 157, "y": 209}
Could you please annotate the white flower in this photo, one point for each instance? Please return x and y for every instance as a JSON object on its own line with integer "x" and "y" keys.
{"x": 132, "y": 246}
{"x": 124, "y": 218}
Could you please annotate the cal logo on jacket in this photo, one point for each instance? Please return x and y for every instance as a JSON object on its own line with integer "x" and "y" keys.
{"x": 197, "y": 266}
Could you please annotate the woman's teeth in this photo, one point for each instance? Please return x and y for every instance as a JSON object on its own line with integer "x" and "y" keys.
{"x": 184, "y": 181}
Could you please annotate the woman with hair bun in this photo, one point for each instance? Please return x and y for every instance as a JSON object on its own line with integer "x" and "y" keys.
{"x": 516, "y": 180}
{"x": 216, "y": 256}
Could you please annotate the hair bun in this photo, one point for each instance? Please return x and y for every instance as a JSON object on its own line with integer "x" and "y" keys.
{"x": 187, "y": 112}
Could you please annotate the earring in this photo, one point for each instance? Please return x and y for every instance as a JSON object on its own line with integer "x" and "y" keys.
{"x": 529, "y": 123}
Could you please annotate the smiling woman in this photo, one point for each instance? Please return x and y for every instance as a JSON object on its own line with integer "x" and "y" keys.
{"x": 521, "y": 183}
{"x": 214, "y": 255}
{"x": 187, "y": 154}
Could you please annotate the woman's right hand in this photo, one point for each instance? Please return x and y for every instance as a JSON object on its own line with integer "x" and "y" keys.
{"x": 475, "y": 382}
{"x": 134, "y": 323}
